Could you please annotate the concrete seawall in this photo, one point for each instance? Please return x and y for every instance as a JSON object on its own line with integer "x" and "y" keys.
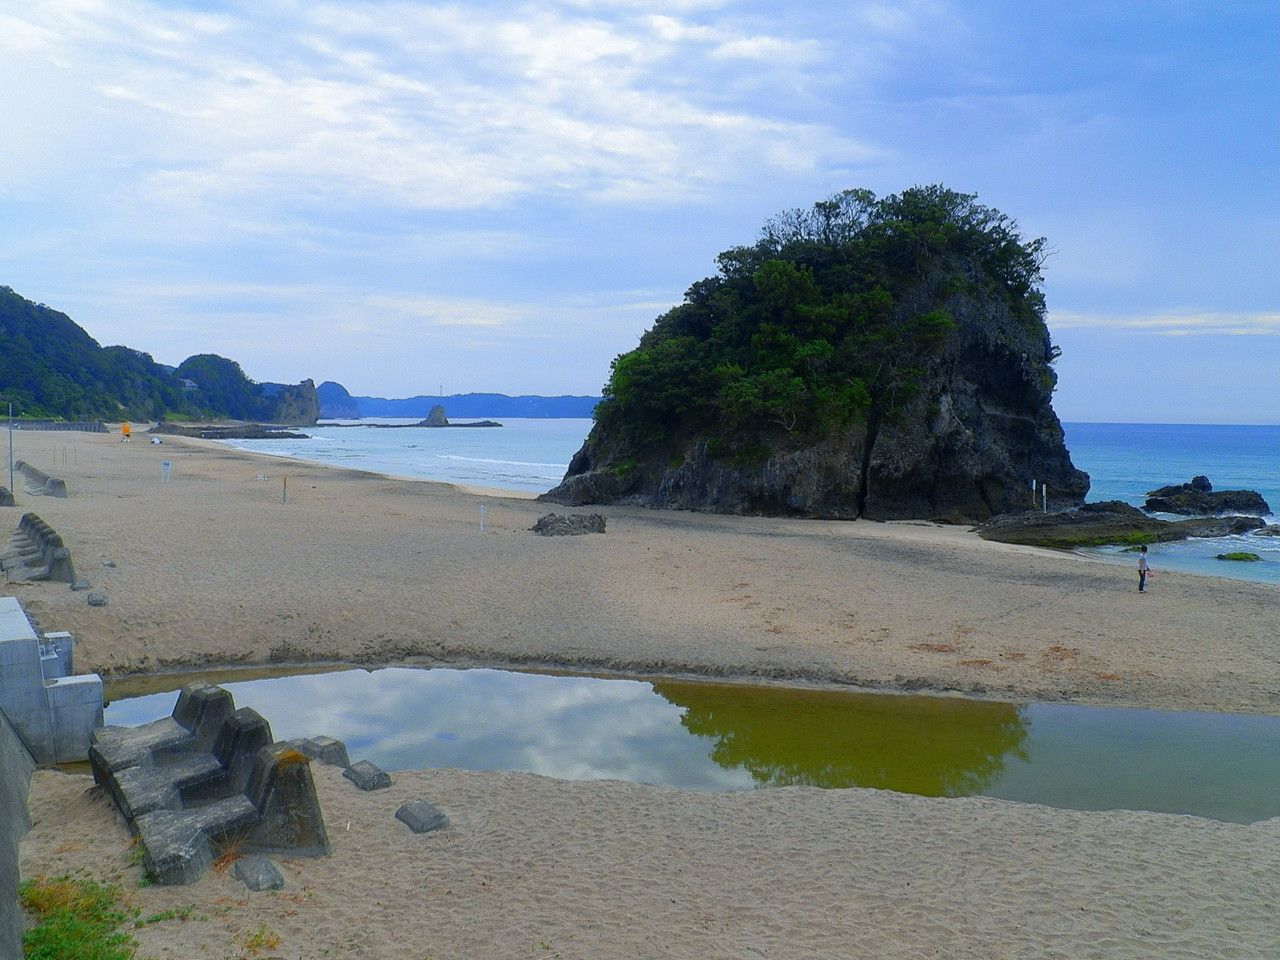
{"x": 15, "y": 820}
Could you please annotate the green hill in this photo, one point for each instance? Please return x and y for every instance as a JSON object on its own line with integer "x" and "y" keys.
{"x": 50, "y": 367}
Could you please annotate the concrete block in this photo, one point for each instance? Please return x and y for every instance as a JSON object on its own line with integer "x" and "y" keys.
{"x": 325, "y": 749}
{"x": 180, "y": 845}
{"x": 289, "y": 817}
{"x": 206, "y": 780}
{"x": 201, "y": 708}
{"x": 53, "y": 711}
{"x": 16, "y": 765}
{"x": 366, "y": 776}
{"x": 422, "y": 817}
{"x": 75, "y": 709}
{"x": 258, "y": 873}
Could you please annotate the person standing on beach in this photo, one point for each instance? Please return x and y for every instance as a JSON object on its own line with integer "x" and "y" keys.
{"x": 1143, "y": 569}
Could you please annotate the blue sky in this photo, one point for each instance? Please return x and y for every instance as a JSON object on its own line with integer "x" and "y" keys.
{"x": 406, "y": 196}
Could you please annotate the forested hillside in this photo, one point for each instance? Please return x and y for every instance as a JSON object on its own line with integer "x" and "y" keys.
{"x": 50, "y": 367}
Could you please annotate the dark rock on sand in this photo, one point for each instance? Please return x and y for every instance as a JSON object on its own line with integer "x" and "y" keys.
{"x": 575, "y": 524}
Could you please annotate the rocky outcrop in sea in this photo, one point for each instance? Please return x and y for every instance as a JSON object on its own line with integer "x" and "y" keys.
{"x": 1199, "y": 499}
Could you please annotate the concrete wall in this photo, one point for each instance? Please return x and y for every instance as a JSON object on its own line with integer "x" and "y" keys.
{"x": 52, "y": 711}
{"x": 15, "y": 820}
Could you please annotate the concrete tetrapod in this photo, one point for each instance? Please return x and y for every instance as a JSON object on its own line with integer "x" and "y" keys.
{"x": 207, "y": 780}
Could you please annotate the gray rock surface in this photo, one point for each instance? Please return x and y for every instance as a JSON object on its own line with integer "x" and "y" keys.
{"x": 1110, "y": 522}
{"x": 1199, "y": 499}
{"x": 575, "y": 524}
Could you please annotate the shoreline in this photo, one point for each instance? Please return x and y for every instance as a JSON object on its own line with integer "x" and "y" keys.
{"x": 214, "y": 567}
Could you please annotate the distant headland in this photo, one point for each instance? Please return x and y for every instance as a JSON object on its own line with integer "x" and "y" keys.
{"x": 337, "y": 404}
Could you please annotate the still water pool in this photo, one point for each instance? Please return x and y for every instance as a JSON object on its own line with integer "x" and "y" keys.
{"x": 707, "y": 736}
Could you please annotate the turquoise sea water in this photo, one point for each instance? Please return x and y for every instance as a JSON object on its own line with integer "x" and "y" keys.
{"x": 1124, "y": 461}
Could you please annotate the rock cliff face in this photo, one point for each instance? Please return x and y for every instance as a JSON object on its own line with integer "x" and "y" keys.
{"x": 295, "y": 404}
{"x": 968, "y": 440}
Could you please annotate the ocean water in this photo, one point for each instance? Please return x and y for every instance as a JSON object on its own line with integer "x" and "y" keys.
{"x": 1127, "y": 460}
{"x": 1124, "y": 461}
{"x": 531, "y": 455}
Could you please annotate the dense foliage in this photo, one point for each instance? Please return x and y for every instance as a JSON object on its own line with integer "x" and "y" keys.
{"x": 819, "y": 323}
{"x": 224, "y": 385}
{"x": 50, "y": 367}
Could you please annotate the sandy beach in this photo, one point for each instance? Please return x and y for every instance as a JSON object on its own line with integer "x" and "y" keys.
{"x": 240, "y": 559}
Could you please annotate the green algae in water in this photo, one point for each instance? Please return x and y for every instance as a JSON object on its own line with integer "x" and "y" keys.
{"x": 931, "y": 746}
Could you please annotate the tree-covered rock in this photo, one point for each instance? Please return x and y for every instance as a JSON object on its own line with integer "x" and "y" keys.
{"x": 884, "y": 358}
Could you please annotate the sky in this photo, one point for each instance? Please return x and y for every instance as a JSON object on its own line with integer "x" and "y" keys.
{"x": 414, "y": 198}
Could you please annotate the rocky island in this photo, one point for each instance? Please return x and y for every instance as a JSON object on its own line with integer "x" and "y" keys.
{"x": 435, "y": 418}
{"x": 879, "y": 358}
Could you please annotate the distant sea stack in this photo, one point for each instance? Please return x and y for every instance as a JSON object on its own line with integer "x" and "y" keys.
{"x": 879, "y": 358}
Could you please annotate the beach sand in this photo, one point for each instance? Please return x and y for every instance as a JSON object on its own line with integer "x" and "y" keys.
{"x": 241, "y": 559}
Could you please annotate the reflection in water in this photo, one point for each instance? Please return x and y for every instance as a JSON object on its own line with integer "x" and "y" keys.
{"x": 705, "y": 736}
{"x": 932, "y": 746}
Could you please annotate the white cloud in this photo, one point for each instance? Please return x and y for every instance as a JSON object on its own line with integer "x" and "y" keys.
{"x": 1173, "y": 324}
{"x": 426, "y": 106}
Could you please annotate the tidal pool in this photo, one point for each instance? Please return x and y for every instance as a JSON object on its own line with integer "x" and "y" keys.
{"x": 708, "y": 736}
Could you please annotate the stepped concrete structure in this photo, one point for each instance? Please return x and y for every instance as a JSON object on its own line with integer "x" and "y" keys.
{"x": 40, "y": 484}
{"x": 35, "y": 552}
{"x": 53, "y": 711}
{"x": 206, "y": 781}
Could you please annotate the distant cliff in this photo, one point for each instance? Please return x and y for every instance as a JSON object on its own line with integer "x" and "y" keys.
{"x": 865, "y": 358}
{"x": 337, "y": 404}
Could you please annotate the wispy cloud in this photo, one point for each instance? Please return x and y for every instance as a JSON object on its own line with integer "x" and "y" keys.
{"x": 435, "y": 106}
{"x": 1173, "y": 324}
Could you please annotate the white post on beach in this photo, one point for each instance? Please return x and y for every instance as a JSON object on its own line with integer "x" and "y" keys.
{"x": 482, "y": 516}
{"x": 164, "y": 471}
